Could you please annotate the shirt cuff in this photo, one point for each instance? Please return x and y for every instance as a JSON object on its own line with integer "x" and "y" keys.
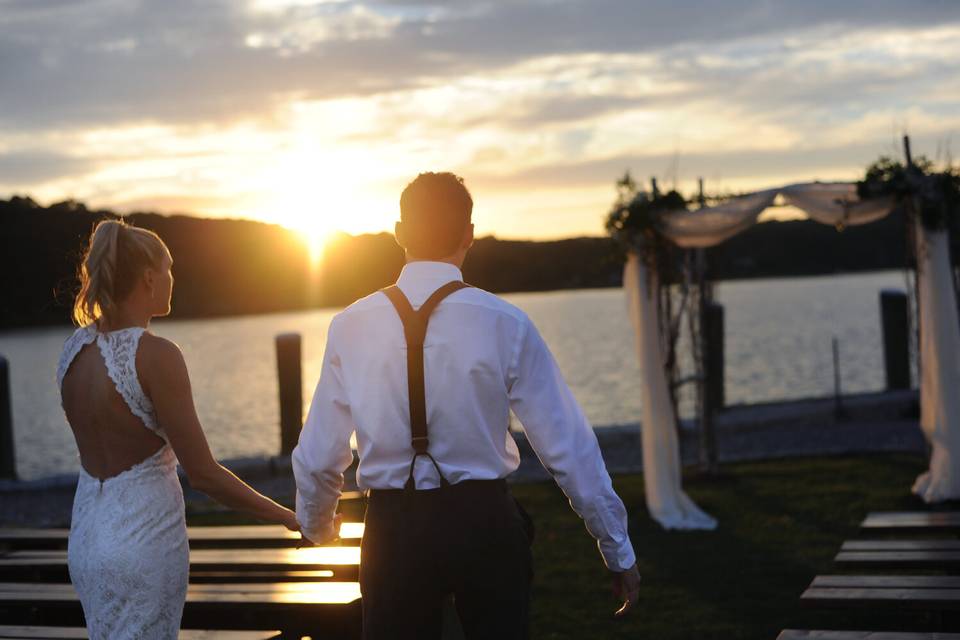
{"x": 619, "y": 559}
{"x": 314, "y": 524}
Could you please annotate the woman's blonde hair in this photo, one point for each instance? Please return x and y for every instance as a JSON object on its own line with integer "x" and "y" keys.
{"x": 114, "y": 260}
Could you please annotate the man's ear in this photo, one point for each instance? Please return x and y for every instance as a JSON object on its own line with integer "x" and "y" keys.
{"x": 467, "y": 241}
{"x": 399, "y": 234}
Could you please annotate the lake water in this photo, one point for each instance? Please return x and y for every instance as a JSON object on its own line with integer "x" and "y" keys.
{"x": 778, "y": 346}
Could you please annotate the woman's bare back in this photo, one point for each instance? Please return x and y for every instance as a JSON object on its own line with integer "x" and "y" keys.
{"x": 110, "y": 438}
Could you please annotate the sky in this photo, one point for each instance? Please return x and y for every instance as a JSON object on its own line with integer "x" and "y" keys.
{"x": 316, "y": 113}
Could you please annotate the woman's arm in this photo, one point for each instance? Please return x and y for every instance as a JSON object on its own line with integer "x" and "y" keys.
{"x": 165, "y": 380}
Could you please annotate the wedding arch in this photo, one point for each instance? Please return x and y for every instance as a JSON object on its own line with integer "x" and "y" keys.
{"x": 647, "y": 225}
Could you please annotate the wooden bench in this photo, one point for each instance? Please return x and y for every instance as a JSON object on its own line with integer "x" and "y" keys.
{"x": 925, "y": 522}
{"x": 241, "y": 578}
{"x": 797, "y": 634}
{"x": 228, "y": 537}
{"x": 931, "y": 593}
{"x": 8, "y": 632}
{"x": 333, "y": 607}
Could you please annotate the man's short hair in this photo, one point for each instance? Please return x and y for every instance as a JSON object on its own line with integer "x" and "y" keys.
{"x": 435, "y": 210}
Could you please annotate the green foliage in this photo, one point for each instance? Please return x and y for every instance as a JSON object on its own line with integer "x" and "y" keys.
{"x": 633, "y": 219}
{"x": 935, "y": 194}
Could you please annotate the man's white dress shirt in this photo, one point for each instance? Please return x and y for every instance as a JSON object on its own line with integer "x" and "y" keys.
{"x": 482, "y": 358}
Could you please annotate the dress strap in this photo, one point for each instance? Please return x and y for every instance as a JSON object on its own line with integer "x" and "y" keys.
{"x": 415, "y": 332}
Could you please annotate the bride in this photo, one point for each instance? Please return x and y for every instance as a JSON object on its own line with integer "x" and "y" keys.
{"x": 126, "y": 395}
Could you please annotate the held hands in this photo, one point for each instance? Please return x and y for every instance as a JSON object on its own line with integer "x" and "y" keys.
{"x": 626, "y": 587}
{"x": 306, "y": 542}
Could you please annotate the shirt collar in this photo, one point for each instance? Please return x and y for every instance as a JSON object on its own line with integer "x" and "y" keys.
{"x": 421, "y": 278}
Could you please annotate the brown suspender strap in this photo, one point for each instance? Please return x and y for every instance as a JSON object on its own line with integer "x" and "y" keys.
{"x": 415, "y": 331}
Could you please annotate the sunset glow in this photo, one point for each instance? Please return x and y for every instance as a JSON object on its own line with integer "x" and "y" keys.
{"x": 315, "y": 114}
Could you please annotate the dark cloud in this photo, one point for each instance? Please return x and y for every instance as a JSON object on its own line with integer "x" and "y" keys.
{"x": 111, "y": 61}
{"x": 30, "y": 167}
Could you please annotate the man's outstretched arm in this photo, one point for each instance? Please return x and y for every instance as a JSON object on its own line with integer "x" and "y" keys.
{"x": 323, "y": 451}
{"x": 567, "y": 446}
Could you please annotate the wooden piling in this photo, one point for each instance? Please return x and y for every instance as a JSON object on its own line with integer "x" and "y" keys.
{"x": 291, "y": 394}
{"x": 714, "y": 355}
{"x": 8, "y": 462}
{"x": 896, "y": 342}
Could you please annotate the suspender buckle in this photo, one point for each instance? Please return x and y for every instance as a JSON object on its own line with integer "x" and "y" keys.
{"x": 420, "y": 444}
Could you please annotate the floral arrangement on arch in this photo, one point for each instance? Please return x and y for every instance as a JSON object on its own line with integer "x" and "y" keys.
{"x": 936, "y": 193}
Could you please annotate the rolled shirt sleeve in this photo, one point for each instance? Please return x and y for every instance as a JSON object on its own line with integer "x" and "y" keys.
{"x": 323, "y": 452}
{"x": 567, "y": 446}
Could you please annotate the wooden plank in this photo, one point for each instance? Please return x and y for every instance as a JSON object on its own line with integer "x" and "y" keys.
{"x": 265, "y": 559}
{"x": 924, "y": 599}
{"x": 927, "y": 544}
{"x": 293, "y": 592}
{"x": 797, "y": 634}
{"x": 13, "y": 632}
{"x": 913, "y": 521}
{"x": 887, "y": 582}
{"x": 247, "y": 536}
{"x": 330, "y": 609}
{"x": 944, "y": 560}
{"x": 209, "y": 565}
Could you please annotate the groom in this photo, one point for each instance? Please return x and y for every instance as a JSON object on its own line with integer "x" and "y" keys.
{"x": 426, "y": 373}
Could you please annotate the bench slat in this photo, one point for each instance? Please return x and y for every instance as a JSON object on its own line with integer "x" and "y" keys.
{"x": 913, "y": 521}
{"x": 887, "y": 582}
{"x": 797, "y": 634}
{"x": 296, "y": 592}
{"x": 306, "y": 558}
{"x": 931, "y": 544}
{"x": 11, "y": 632}
{"x": 200, "y": 537}
{"x": 900, "y": 559}
{"x": 928, "y": 599}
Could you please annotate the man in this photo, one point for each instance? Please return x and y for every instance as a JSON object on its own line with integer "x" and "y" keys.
{"x": 426, "y": 374}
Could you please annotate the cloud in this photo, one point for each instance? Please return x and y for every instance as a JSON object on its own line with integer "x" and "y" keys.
{"x": 109, "y": 61}
{"x": 33, "y": 166}
{"x": 224, "y": 103}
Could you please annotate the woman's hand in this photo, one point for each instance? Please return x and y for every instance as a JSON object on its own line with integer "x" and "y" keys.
{"x": 288, "y": 519}
{"x": 335, "y": 533}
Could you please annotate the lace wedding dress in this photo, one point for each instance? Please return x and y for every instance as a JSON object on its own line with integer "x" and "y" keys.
{"x": 127, "y": 552}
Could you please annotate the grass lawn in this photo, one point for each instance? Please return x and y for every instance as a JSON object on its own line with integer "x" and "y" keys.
{"x": 781, "y": 523}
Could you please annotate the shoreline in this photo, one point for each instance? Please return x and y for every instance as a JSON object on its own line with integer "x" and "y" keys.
{"x": 874, "y": 423}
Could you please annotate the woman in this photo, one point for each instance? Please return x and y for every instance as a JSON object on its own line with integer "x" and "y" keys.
{"x": 126, "y": 395}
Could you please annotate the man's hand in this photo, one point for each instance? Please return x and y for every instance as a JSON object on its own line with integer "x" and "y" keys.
{"x": 306, "y": 542}
{"x": 626, "y": 587}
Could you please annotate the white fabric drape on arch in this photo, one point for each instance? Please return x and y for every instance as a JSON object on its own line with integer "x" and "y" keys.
{"x": 666, "y": 500}
{"x": 939, "y": 368}
{"x": 836, "y": 204}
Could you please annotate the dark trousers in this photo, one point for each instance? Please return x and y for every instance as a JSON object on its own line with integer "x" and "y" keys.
{"x": 470, "y": 539}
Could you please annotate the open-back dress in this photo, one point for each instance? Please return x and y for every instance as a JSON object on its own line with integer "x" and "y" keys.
{"x": 128, "y": 553}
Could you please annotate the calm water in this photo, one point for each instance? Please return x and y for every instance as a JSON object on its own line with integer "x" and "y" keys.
{"x": 778, "y": 345}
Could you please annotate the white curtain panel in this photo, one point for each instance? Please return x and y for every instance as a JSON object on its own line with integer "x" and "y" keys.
{"x": 939, "y": 368}
{"x": 666, "y": 500}
{"x": 710, "y": 226}
{"x": 836, "y": 203}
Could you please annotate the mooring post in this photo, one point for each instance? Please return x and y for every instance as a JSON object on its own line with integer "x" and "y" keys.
{"x": 896, "y": 342}
{"x": 712, "y": 367}
{"x": 8, "y": 461}
{"x": 713, "y": 341}
{"x": 291, "y": 390}
{"x": 838, "y": 411}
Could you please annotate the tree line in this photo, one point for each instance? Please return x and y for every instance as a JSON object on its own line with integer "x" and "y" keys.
{"x": 228, "y": 267}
